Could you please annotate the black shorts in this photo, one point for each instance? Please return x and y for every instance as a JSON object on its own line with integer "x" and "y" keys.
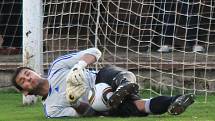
{"x": 106, "y": 74}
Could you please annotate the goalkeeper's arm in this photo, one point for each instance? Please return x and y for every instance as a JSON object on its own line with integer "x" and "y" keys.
{"x": 76, "y": 78}
{"x": 85, "y": 109}
{"x": 91, "y": 55}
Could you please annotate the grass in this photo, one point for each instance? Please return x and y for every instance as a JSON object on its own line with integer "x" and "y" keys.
{"x": 11, "y": 109}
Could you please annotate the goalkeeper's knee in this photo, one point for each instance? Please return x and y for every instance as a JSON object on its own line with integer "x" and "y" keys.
{"x": 124, "y": 77}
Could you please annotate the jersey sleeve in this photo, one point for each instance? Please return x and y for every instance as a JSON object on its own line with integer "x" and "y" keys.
{"x": 69, "y": 60}
{"x": 56, "y": 112}
{"x": 93, "y": 51}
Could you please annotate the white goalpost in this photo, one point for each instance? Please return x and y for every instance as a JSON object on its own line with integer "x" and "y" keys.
{"x": 32, "y": 40}
{"x": 169, "y": 45}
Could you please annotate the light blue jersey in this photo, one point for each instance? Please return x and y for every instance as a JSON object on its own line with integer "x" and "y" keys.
{"x": 56, "y": 104}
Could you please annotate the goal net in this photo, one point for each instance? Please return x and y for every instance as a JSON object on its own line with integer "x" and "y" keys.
{"x": 168, "y": 44}
{"x": 10, "y": 39}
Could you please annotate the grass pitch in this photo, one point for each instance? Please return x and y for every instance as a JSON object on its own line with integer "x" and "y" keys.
{"x": 11, "y": 109}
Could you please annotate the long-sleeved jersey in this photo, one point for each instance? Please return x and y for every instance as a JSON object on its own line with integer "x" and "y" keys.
{"x": 56, "y": 104}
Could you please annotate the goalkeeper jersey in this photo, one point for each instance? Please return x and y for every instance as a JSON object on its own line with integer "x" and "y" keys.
{"x": 56, "y": 104}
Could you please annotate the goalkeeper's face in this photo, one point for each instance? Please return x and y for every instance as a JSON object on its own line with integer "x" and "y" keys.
{"x": 28, "y": 80}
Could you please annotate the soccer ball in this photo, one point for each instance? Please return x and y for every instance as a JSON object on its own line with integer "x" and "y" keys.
{"x": 99, "y": 95}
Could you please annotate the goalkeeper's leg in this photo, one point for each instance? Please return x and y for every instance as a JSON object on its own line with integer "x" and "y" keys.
{"x": 122, "y": 82}
{"x": 174, "y": 105}
{"x": 115, "y": 76}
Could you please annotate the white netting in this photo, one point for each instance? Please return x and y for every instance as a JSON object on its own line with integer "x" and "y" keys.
{"x": 10, "y": 38}
{"x": 10, "y": 23}
{"x": 169, "y": 44}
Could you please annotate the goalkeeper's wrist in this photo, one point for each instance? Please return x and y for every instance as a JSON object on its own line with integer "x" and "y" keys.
{"x": 82, "y": 63}
{"x": 75, "y": 104}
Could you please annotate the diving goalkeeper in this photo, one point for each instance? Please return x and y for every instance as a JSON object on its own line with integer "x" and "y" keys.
{"x": 65, "y": 91}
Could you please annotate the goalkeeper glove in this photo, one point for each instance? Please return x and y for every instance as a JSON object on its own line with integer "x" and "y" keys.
{"x": 76, "y": 82}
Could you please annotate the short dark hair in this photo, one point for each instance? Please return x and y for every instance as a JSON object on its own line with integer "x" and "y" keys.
{"x": 16, "y": 73}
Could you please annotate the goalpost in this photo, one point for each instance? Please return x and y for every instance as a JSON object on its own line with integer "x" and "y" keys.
{"x": 169, "y": 45}
{"x": 32, "y": 40}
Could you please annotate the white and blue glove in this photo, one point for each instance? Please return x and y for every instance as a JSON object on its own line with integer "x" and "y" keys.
{"x": 76, "y": 82}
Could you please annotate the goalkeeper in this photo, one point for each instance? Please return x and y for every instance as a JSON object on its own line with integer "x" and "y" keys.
{"x": 65, "y": 91}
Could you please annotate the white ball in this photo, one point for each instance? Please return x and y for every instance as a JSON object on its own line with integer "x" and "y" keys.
{"x": 99, "y": 95}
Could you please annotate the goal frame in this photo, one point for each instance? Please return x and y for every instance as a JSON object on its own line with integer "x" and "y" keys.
{"x": 32, "y": 39}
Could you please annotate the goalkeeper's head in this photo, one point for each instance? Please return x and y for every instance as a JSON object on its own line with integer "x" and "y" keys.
{"x": 27, "y": 81}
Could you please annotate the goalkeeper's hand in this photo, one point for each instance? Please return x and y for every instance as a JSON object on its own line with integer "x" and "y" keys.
{"x": 76, "y": 83}
{"x": 73, "y": 93}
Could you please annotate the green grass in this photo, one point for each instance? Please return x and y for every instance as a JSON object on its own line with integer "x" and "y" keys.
{"x": 11, "y": 109}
